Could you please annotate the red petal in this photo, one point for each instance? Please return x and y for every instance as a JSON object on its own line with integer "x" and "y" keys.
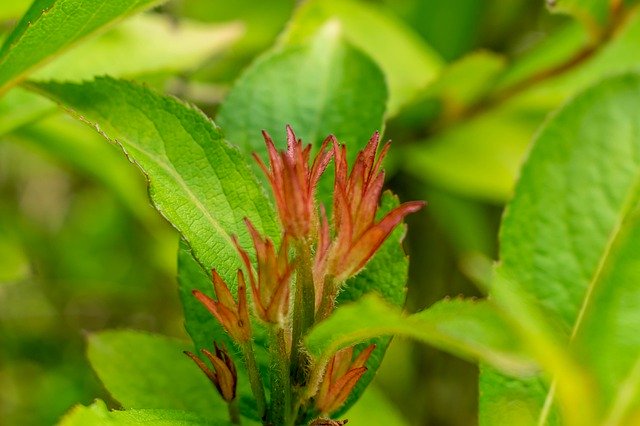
{"x": 222, "y": 291}
{"x": 362, "y": 250}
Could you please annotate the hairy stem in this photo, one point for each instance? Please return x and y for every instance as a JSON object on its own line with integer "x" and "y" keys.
{"x": 280, "y": 412}
{"x": 304, "y": 307}
{"x": 234, "y": 412}
{"x": 254, "y": 378}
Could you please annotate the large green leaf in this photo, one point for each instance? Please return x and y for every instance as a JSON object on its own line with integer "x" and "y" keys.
{"x": 320, "y": 88}
{"x": 471, "y": 329}
{"x": 51, "y": 26}
{"x": 140, "y": 45}
{"x": 142, "y": 370}
{"x": 408, "y": 63}
{"x": 199, "y": 182}
{"x": 570, "y": 240}
{"x": 97, "y": 414}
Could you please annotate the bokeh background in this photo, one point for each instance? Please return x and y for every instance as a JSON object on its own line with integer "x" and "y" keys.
{"x": 81, "y": 249}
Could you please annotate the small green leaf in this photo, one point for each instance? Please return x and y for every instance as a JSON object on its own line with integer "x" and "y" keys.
{"x": 97, "y": 414}
{"x": 408, "y": 63}
{"x": 465, "y": 81}
{"x": 470, "y": 329}
{"x": 199, "y": 182}
{"x": 51, "y": 26}
{"x": 320, "y": 88}
{"x": 144, "y": 44}
{"x": 570, "y": 239}
{"x": 142, "y": 370}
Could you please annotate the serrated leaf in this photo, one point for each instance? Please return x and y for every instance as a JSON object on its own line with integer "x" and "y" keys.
{"x": 144, "y": 44}
{"x": 142, "y": 370}
{"x": 320, "y": 88}
{"x": 199, "y": 182}
{"x": 570, "y": 238}
{"x": 470, "y": 329}
{"x": 97, "y": 414}
{"x": 51, "y": 26}
{"x": 407, "y": 62}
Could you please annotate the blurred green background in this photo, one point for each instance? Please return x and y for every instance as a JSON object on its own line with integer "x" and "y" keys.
{"x": 81, "y": 249}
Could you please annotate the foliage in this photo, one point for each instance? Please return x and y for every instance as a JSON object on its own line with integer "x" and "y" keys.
{"x": 554, "y": 334}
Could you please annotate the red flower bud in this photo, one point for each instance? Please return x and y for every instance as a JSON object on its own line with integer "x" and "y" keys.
{"x": 293, "y": 182}
{"x": 223, "y": 375}
{"x": 271, "y": 288}
{"x": 233, "y": 317}
{"x": 355, "y": 203}
{"x": 341, "y": 376}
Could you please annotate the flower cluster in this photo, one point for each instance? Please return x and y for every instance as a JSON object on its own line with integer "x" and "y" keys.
{"x": 327, "y": 250}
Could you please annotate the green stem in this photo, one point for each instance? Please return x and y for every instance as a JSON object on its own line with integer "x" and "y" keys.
{"x": 304, "y": 308}
{"x": 254, "y": 378}
{"x": 280, "y": 411}
{"x": 234, "y": 412}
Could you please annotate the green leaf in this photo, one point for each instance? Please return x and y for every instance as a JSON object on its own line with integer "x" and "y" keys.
{"x": 500, "y": 134}
{"x": 320, "y": 88}
{"x": 407, "y": 62}
{"x": 144, "y": 44}
{"x": 198, "y": 182}
{"x": 467, "y": 80}
{"x": 470, "y": 329}
{"x": 51, "y": 26}
{"x": 449, "y": 160}
{"x": 570, "y": 239}
{"x": 97, "y": 414}
{"x": 142, "y": 370}
{"x": 375, "y": 408}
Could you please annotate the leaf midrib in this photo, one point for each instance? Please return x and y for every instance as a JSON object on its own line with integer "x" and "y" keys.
{"x": 631, "y": 199}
